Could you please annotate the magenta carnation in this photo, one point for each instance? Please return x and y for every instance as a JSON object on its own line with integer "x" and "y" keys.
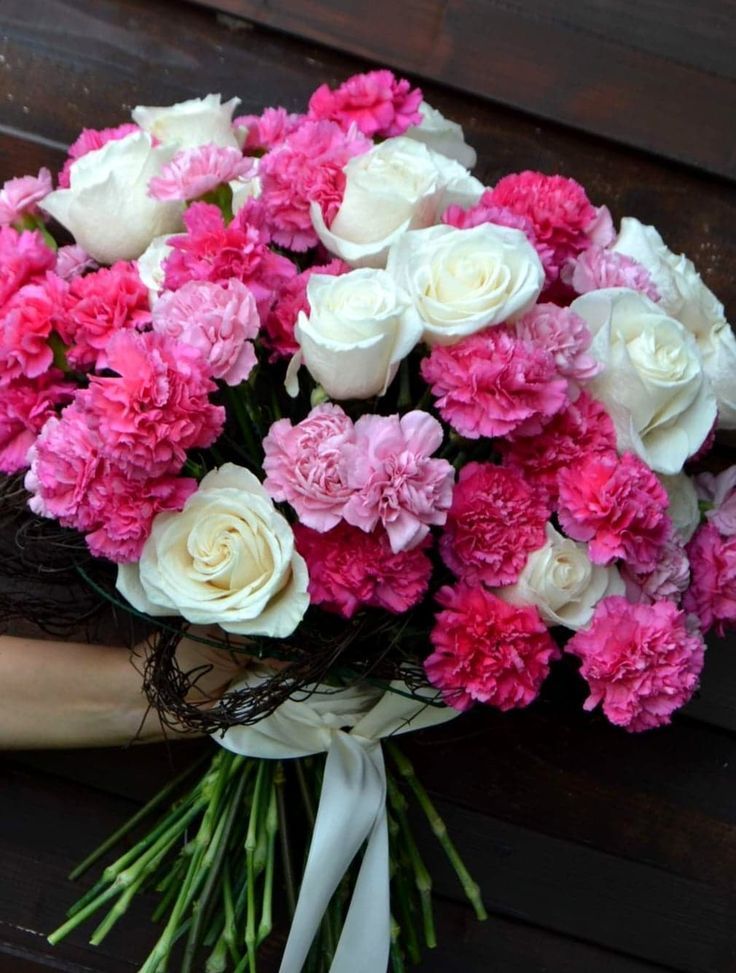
{"x": 563, "y": 334}
{"x": 618, "y": 506}
{"x": 89, "y": 140}
{"x": 266, "y": 130}
{"x": 641, "y": 662}
{"x": 219, "y": 321}
{"x": 393, "y": 478}
{"x": 712, "y": 592}
{"x": 493, "y": 383}
{"x": 350, "y": 569}
{"x": 290, "y": 300}
{"x": 583, "y": 429}
{"x": 487, "y": 651}
{"x": 495, "y": 521}
{"x": 23, "y": 256}
{"x": 20, "y": 197}
{"x": 196, "y": 171}
{"x": 25, "y": 405}
{"x": 26, "y": 324}
{"x": 597, "y": 268}
{"x": 304, "y": 466}
{"x": 376, "y": 102}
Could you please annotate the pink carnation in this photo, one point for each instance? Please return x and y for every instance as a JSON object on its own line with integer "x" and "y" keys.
{"x": 712, "y": 592}
{"x": 214, "y": 252}
{"x": 266, "y": 130}
{"x": 597, "y": 268}
{"x": 495, "y": 521}
{"x": 290, "y": 300}
{"x": 563, "y": 334}
{"x": 97, "y": 307}
{"x": 393, "y": 479}
{"x": 640, "y": 661}
{"x": 668, "y": 579}
{"x": 487, "y": 651}
{"x": 25, "y": 405}
{"x": 718, "y": 495}
{"x": 559, "y": 209}
{"x": 89, "y": 140}
{"x": 376, "y": 102}
{"x": 23, "y": 256}
{"x": 619, "y": 506}
{"x": 20, "y": 197}
{"x": 581, "y": 430}
{"x": 219, "y": 321}
{"x": 156, "y": 407}
{"x": 303, "y": 465}
{"x": 73, "y": 261}
{"x": 493, "y": 383}
{"x": 194, "y": 172}
{"x": 307, "y": 167}
{"x": 350, "y": 570}
{"x": 26, "y": 324}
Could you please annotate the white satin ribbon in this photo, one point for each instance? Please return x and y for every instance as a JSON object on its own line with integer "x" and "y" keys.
{"x": 352, "y": 807}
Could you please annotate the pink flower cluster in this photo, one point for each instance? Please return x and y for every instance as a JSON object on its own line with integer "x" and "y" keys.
{"x": 195, "y": 172}
{"x": 376, "y": 103}
{"x": 19, "y": 198}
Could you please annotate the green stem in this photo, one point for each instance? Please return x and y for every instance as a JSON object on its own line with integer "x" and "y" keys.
{"x": 422, "y": 878}
{"x": 272, "y": 826}
{"x": 286, "y": 856}
{"x": 251, "y": 842}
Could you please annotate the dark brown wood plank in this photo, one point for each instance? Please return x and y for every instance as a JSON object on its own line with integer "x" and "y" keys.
{"x": 568, "y": 63}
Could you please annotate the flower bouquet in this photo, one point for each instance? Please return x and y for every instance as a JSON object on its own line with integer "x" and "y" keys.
{"x": 319, "y": 398}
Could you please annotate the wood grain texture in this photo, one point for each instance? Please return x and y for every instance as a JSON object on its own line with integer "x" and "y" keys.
{"x": 656, "y": 76}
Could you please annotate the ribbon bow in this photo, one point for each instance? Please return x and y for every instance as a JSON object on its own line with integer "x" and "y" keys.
{"x": 352, "y": 808}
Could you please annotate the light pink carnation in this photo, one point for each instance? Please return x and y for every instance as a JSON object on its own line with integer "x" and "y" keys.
{"x": 266, "y": 130}
{"x": 487, "y": 651}
{"x": 597, "y": 268}
{"x": 563, "y": 334}
{"x": 155, "y": 408}
{"x": 303, "y": 465}
{"x": 619, "y": 506}
{"x": 219, "y": 321}
{"x": 73, "y": 261}
{"x": 393, "y": 479}
{"x": 350, "y": 570}
{"x": 89, "y": 140}
{"x": 581, "y": 430}
{"x": 307, "y": 167}
{"x": 641, "y": 662}
{"x": 495, "y": 522}
{"x": 98, "y": 306}
{"x": 493, "y": 383}
{"x": 718, "y": 495}
{"x": 23, "y": 256}
{"x": 712, "y": 592}
{"x": 376, "y": 102}
{"x": 26, "y": 324}
{"x": 25, "y": 405}
{"x": 20, "y": 197}
{"x": 290, "y": 300}
{"x": 668, "y": 579}
{"x": 194, "y": 172}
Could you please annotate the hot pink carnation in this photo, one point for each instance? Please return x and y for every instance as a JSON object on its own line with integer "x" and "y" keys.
{"x": 290, "y": 300}
{"x": 493, "y": 383}
{"x": 563, "y": 334}
{"x": 26, "y": 324}
{"x": 20, "y": 197}
{"x": 307, "y": 167}
{"x": 156, "y": 407}
{"x": 350, "y": 570}
{"x": 668, "y": 579}
{"x": 89, "y": 140}
{"x": 97, "y": 307}
{"x": 487, "y": 651}
{"x": 304, "y": 466}
{"x": 641, "y": 661}
{"x": 194, "y": 172}
{"x": 581, "y": 430}
{"x": 618, "y": 506}
{"x": 23, "y": 256}
{"x": 25, "y": 405}
{"x": 559, "y": 209}
{"x": 495, "y": 521}
{"x": 393, "y": 479}
{"x": 73, "y": 261}
{"x": 712, "y": 592}
{"x": 219, "y": 321}
{"x": 376, "y": 102}
{"x": 267, "y": 129}
{"x": 597, "y": 268}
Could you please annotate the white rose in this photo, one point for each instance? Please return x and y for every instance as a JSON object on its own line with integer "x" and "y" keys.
{"x": 199, "y": 121}
{"x": 150, "y": 264}
{"x": 652, "y": 383}
{"x": 460, "y": 281}
{"x": 243, "y": 190}
{"x": 397, "y": 186}
{"x": 107, "y": 208}
{"x": 683, "y": 506}
{"x": 227, "y": 558}
{"x": 442, "y": 135}
{"x": 561, "y": 581}
{"x": 356, "y": 333}
{"x": 684, "y": 296}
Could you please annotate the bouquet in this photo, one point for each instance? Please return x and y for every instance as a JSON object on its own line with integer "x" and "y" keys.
{"x": 301, "y": 387}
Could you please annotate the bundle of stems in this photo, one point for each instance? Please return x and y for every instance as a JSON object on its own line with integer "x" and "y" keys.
{"x": 216, "y": 855}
